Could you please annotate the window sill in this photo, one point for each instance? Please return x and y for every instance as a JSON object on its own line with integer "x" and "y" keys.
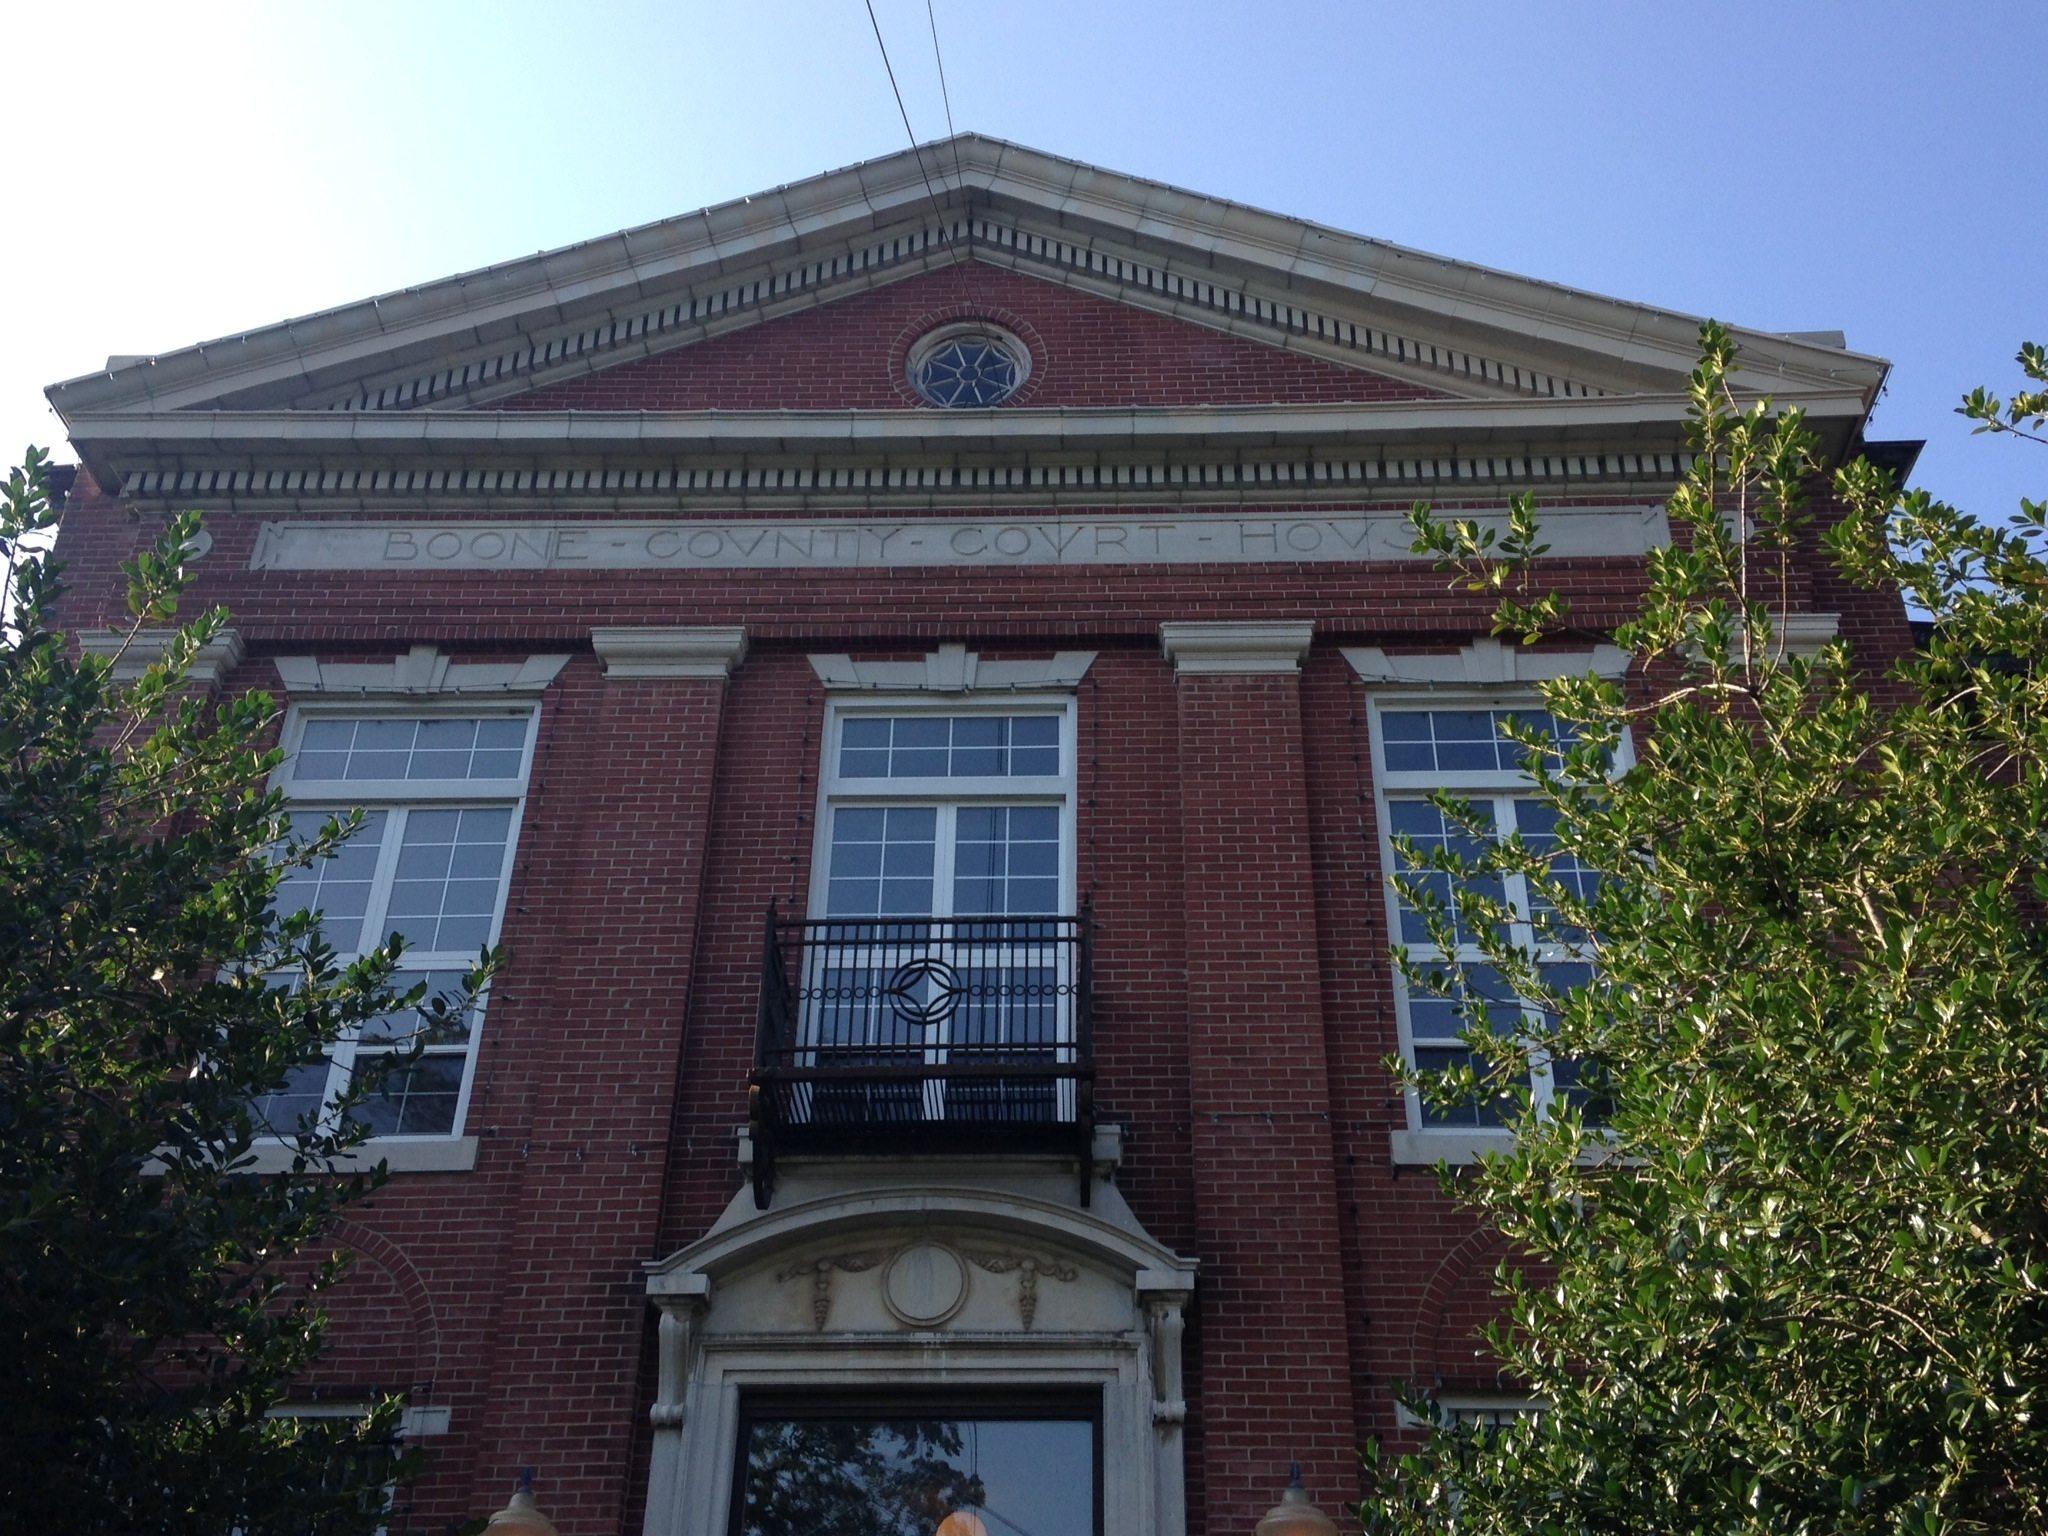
{"x": 1463, "y": 1148}
{"x": 1425, "y": 1149}
{"x": 437, "y": 1154}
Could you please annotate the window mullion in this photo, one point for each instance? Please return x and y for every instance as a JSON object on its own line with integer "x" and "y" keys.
{"x": 342, "y": 1055}
{"x": 1515, "y": 887}
{"x": 1522, "y": 932}
{"x": 341, "y": 1066}
{"x": 945, "y": 833}
{"x": 375, "y": 930}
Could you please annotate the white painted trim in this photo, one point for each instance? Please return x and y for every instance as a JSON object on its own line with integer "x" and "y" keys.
{"x": 413, "y": 1423}
{"x": 1448, "y": 1144}
{"x": 1447, "y": 427}
{"x": 399, "y": 798}
{"x": 1484, "y": 663}
{"x": 1471, "y": 1402}
{"x": 424, "y": 1421}
{"x": 1792, "y": 634}
{"x": 690, "y": 1479}
{"x": 1420, "y": 1144}
{"x": 947, "y": 796}
{"x": 149, "y": 646}
{"x": 1271, "y": 646}
{"x": 1127, "y": 1345}
{"x": 1461, "y": 1147}
{"x": 951, "y": 669}
{"x": 610, "y": 277}
{"x": 1106, "y": 1154}
{"x": 1108, "y": 1232}
{"x": 1806, "y": 634}
{"x": 684, "y": 652}
{"x": 400, "y": 1154}
{"x": 421, "y": 670}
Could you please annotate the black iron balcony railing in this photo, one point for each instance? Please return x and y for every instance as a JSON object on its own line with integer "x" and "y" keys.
{"x": 903, "y": 1034}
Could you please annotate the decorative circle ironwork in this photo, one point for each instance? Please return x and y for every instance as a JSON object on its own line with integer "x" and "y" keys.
{"x": 925, "y": 991}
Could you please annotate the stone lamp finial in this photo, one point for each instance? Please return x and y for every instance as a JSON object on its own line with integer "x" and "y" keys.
{"x": 1294, "y": 1515}
{"x": 521, "y": 1516}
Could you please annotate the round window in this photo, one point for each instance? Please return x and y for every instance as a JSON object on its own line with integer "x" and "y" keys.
{"x": 968, "y": 365}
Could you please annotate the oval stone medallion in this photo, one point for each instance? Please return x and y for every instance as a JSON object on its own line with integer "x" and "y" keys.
{"x": 925, "y": 1285}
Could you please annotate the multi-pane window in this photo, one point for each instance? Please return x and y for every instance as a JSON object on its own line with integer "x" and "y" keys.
{"x": 441, "y": 796}
{"x": 943, "y": 897}
{"x": 946, "y": 815}
{"x": 1466, "y": 750}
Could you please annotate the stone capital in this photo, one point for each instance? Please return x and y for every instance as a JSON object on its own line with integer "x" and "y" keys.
{"x": 1262, "y": 646}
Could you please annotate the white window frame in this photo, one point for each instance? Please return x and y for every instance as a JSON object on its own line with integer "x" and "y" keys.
{"x": 338, "y": 797}
{"x": 950, "y": 795}
{"x": 1473, "y": 1408}
{"x": 1421, "y": 1143}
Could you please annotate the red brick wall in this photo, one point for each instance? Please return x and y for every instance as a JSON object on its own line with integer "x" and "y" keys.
{"x": 1273, "y": 1347}
{"x": 1226, "y": 834}
{"x": 849, "y": 354}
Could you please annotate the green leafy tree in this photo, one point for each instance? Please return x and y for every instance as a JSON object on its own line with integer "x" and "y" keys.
{"x": 157, "y": 1300}
{"x": 1782, "y": 1256}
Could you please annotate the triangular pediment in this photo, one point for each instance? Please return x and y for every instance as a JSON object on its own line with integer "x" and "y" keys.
{"x": 1077, "y": 350}
{"x": 1441, "y": 328}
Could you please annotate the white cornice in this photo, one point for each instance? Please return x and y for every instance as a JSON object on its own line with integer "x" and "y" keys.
{"x": 1805, "y": 634}
{"x": 1463, "y": 302}
{"x": 707, "y": 652}
{"x": 1269, "y": 646}
{"x": 953, "y": 669}
{"x": 421, "y": 670}
{"x": 134, "y": 654}
{"x": 1483, "y": 663}
{"x": 1523, "y": 425}
{"x": 1359, "y": 478}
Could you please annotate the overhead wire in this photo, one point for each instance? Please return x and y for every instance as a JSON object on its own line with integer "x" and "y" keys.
{"x": 902, "y": 112}
{"x": 946, "y": 96}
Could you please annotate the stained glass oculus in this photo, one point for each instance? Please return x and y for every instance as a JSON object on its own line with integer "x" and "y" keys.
{"x": 968, "y": 369}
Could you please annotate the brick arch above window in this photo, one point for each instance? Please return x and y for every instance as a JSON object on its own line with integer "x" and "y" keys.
{"x": 1442, "y": 1348}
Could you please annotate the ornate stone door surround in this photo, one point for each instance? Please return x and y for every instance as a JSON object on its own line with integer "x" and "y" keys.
{"x": 913, "y": 1276}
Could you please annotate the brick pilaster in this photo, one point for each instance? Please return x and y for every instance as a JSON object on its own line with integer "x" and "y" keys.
{"x": 1274, "y": 1352}
{"x": 602, "y": 1082}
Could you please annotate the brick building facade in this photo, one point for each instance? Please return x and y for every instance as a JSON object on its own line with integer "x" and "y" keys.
{"x": 998, "y": 565}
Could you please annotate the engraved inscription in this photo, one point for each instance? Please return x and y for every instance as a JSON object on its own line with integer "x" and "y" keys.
{"x": 847, "y": 544}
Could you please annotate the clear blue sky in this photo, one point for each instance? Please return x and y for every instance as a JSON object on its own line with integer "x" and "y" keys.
{"x": 1877, "y": 168}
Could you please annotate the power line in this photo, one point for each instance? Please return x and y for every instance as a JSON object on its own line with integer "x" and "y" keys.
{"x": 908, "y": 132}
{"x": 944, "y": 95}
